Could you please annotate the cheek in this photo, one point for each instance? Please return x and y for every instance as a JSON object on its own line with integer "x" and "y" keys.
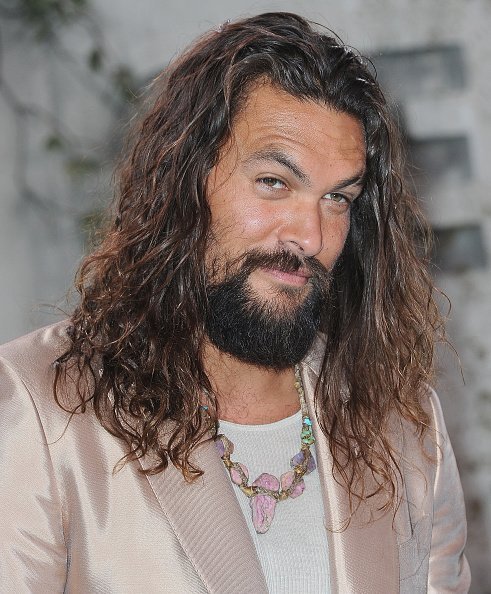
{"x": 238, "y": 216}
{"x": 255, "y": 222}
{"x": 334, "y": 239}
{"x": 244, "y": 224}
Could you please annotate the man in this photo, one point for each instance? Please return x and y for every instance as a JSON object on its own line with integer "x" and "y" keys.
{"x": 240, "y": 400}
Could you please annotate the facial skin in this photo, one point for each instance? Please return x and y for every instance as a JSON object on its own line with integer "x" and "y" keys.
{"x": 284, "y": 183}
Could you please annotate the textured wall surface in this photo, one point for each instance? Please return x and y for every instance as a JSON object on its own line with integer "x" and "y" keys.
{"x": 61, "y": 124}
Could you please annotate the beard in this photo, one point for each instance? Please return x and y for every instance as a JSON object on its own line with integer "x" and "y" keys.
{"x": 275, "y": 332}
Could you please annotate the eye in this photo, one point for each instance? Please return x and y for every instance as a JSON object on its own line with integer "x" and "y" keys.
{"x": 338, "y": 198}
{"x": 272, "y": 182}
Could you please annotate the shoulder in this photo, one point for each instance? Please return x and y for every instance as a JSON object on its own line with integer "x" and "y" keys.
{"x": 422, "y": 445}
{"x": 433, "y": 406}
{"x": 37, "y": 351}
{"x": 27, "y": 374}
{"x": 435, "y": 437}
{"x": 32, "y": 357}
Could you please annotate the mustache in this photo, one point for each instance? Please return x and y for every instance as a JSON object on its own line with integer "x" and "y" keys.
{"x": 282, "y": 260}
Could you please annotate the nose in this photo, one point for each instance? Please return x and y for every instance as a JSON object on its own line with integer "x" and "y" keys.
{"x": 301, "y": 232}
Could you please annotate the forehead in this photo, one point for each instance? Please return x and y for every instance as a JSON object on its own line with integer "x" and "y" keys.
{"x": 272, "y": 117}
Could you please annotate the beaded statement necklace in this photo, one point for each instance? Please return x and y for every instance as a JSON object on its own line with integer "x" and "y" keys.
{"x": 267, "y": 490}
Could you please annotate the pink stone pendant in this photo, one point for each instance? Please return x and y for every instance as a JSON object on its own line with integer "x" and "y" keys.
{"x": 263, "y": 508}
{"x": 264, "y": 505}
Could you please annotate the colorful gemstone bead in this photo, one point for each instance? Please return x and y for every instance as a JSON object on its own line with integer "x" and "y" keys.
{"x": 297, "y": 459}
{"x": 286, "y": 480}
{"x": 224, "y": 446}
{"x": 235, "y": 474}
{"x": 311, "y": 465}
{"x": 267, "y": 481}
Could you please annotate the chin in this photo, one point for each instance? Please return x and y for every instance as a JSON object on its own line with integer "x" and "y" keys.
{"x": 280, "y": 293}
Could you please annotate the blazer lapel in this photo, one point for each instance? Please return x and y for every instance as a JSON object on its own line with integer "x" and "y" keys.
{"x": 210, "y": 525}
{"x": 362, "y": 557}
{"x": 211, "y": 528}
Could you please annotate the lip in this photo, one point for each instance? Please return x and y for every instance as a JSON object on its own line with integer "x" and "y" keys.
{"x": 299, "y": 278}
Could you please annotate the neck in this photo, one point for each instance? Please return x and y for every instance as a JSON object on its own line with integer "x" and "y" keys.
{"x": 248, "y": 394}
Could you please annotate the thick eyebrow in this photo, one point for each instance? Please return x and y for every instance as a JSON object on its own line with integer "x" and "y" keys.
{"x": 282, "y": 159}
{"x": 278, "y": 156}
{"x": 357, "y": 180}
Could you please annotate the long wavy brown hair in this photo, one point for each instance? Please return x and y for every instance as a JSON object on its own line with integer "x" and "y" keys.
{"x": 137, "y": 336}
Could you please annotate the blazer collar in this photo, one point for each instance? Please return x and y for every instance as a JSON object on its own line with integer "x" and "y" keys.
{"x": 209, "y": 524}
{"x": 363, "y": 557}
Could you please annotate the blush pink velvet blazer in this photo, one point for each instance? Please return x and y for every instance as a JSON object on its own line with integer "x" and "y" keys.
{"x": 69, "y": 523}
